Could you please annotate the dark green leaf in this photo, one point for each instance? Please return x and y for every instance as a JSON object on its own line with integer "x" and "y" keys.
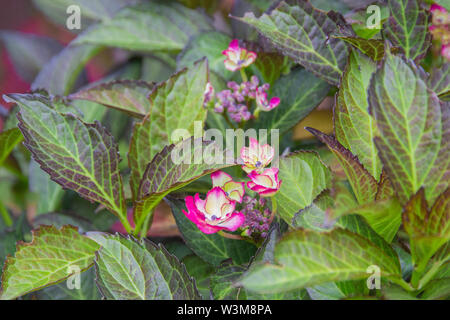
{"x": 300, "y": 92}
{"x": 303, "y": 177}
{"x": 354, "y": 127}
{"x": 407, "y": 27}
{"x": 176, "y": 104}
{"x": 414, "y": 128}
{"x": 59, "y": 75}
{"x": 152, "y": 26}
{"x": 301, "y": 32}
{"x": 51, "y": 257}
{"x": 440, "y": 80}
{"x": 79, "y": 156}
{"x": 8, "y": 140}
{"x": 363, "y": 184}
{"x": 129, "y": 96}
{"x": 28, "y": 52}
{"x": 306, "y": 258}
{"x": 428, "y": 229}
{"x": 131, "y": 270}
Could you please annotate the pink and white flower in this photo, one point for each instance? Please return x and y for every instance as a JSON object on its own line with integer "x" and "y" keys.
{"x": 237, "y": 57}
{"x": 266, "y": 184}
{"x": 215, "y": 213}
{"x": 233, "y": 189}
{"x": 256, "y": 156}
{"x": 263, "y": 103}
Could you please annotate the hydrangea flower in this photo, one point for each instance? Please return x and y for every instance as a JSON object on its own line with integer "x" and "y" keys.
{"x": 215, "y": 213}
{"x": 263, "y": 103}
{"x": 266, "y": 183}
{"x": 440, "y": 28}
{"x": 233, "y": 190}
{"x": 256, "y": 156}
{"x": 237, "y": 57}
{"x": 257, "y": 217}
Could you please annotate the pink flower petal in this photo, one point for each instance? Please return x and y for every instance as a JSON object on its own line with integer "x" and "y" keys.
{"x": 234, "y": 222}
{"x": 219, "y": 178}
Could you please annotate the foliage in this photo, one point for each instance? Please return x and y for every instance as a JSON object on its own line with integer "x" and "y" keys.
{"x": 266, "y": 218}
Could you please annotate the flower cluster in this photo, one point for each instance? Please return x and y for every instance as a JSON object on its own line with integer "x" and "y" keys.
{"x": 257, "y": 217}
{"x": 440, "y": 28}
{"x": 218, "y": 210}
{"x": 236, "y": 101}
{"x": 237, "y": 57}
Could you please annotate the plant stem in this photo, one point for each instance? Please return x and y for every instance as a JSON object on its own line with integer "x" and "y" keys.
{"x": 230, "y": 236}
{"x": 243, "y": 75}
{"x": 430, "y": 274}
{"x": 402, "y": 283}
{"x": 274, "y": 210}
{"x": 5, "y": 215}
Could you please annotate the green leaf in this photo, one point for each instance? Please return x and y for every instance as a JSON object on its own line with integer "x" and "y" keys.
{"x": 212, "y": 248}
{"x": 51, "y": 257}
{"x": 91, "y": 11}
{"x": 428, "y": 229}
{"x": 164, "y": 176}
{"x": 300, "y": 92}
{"x": 372, "y": 48}
{"x": 28, "y": 52}
{"x": 301, "y": 32}
{"x": 128, "y": 269}
{"x": 414, "y": 129}
{"x": 307, "y": 258}
{"x": 384, "y": 216}
{"x": 364, "y": 186}
{"x": 49, "y": 192}
{"x": 87, "y": 291}
{"x": 437, "y": 290}
{"x": 60, "y": 74}
{"x": 222, "y": 282}
{"x": 271, "y": 65}
{"x": 439, "y": 80}
{"x": 176, "y": 104}
{"x": 152, "y": 26}
{"x": 79, "y": 156}
{"x": 129, "y": 96}
{"x": 209, "y": 45}
{"x": 354, "y": 127}
{"x": 314, "y": 216}
{"x": 8, "y": 140}
{"x": 358, "y": 225}
{"x": 303, "y": 177}
{"x": 407, "y": 27}
{"x": 201, "y": 272}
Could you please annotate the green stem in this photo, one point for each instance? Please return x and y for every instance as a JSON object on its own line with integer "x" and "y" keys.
{"x": 430, "y": 274}
{"x": 402, "y": 283}
{"x": 230, "y": 236}
{"x": 274, "y": 210}
{"x": 243, "y": 75}
{"x": 5, "y": 215}
{"x": 146, "y": 225}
